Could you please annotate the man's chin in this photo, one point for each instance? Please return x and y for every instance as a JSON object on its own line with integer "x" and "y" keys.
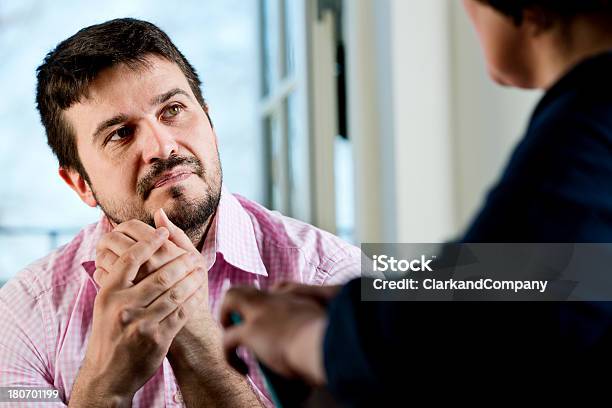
{"x": 191, "y": 215}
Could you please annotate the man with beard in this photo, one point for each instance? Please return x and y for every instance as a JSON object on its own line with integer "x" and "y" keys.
{"x": 125, "y": 314}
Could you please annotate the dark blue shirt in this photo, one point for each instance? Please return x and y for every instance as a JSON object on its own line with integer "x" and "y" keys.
{"x": 557, "y": 186}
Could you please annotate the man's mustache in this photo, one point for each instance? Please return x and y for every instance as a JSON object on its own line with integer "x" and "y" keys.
{"x": 147, "y": 182}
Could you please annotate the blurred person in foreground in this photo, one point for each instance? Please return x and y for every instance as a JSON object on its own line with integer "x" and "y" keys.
{"x": 556, "y": 188}
{"x": 126, "y": 313}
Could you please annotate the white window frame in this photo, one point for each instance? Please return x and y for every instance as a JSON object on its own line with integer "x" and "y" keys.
{"x": 309, "y": 193}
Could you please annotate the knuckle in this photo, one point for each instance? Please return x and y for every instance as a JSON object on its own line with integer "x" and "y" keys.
{"x": 180, "y": 314}
{"x": 101, "y": 256}
{"x": 174, "y": 296}
{"x": 100, "y": 274}
{"x": 144, "y": 330}
{"x": 162, "y": 279}
{"x": 102, "y": 243}
{"x": 125, "y": 315}
{"x": 129, "y": 258}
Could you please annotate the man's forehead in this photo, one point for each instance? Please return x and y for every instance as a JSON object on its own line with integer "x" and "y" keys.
{"x": 123, "y": 82}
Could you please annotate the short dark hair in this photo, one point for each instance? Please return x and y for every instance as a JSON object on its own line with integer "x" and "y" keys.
{"x": 565, "y": 9}
{"x": 67, "y": 72}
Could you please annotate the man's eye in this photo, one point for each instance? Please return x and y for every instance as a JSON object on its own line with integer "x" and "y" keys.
{"x": 171, "y": 111}
{"x": 120, "y": 134}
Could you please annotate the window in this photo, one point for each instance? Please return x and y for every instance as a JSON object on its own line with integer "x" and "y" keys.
{"x": 283, "y": 106}
{"x": 308, "y": 163}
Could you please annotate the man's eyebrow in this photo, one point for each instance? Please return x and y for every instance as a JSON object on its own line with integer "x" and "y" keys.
{"x": 159, "y": 99}
{"x": 115, "y": 120}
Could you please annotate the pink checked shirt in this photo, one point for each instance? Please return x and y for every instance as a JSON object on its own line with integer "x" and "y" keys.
{"x": 46, "y": 310}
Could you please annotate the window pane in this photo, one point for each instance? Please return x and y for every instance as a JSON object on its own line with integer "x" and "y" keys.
{"x": 298, "y": 160}
{"x": 274, "y": 160}
{"x": 345, "y": 193}
{"x": 290, "y": 8}
{"x": 270, "y": 38}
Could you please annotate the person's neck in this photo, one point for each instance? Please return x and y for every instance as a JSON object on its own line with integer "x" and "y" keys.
{"x": 200, "y": 237}
{"x": 558, "y": 51}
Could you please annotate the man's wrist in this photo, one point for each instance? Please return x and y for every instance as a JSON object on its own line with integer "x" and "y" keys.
{"x": 196, "y": 364}
{"x": 93, "y": 395}
{"x": 190, "y": 349}
{"x": 91, "y": 390}
{"x": 206, "y": 379}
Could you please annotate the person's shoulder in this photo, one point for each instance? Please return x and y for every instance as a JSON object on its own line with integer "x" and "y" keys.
{"x": 61, "y": 267}
{"x": 580, "y": 104}
{"x": 572, "y": 129}
{"x": 275, "y": 229}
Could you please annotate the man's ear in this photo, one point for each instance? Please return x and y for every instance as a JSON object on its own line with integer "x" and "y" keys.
{"x": 215, "y": 140}
{"x": 80, "y": 186}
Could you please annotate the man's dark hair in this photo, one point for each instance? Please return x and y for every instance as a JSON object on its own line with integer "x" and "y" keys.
{"x": 564, "y": 9}
{"x": 68, "y": 70}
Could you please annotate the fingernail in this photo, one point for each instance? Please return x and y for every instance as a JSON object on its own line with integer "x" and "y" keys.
{"x": 165, "y": 216}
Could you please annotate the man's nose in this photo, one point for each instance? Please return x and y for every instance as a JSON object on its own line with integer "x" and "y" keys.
{"x": 158, "y": 142}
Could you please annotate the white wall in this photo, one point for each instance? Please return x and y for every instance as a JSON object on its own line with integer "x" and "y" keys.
{"x": 420, "y": 61}
{"x": 368, "y": 86}
{"x": 430, "y": 131}
{"x": 488, "y": 120}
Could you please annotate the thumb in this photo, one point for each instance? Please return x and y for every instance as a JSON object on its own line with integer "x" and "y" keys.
{"x": 177, "y": 236}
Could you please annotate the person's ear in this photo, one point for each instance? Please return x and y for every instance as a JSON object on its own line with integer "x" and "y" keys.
{"x": 537, "y": 21}
{"x": 80, "y": 186}
{"x": 212, "y": 129}
{"x": 215, "y": 140}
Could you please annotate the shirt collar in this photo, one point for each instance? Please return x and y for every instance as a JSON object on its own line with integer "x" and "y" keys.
{"x": 231, "y": 235}
{"x": 235, "y": 237}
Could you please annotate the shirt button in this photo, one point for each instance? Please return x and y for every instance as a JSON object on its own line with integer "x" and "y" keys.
{"x": 178, "y": 398}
